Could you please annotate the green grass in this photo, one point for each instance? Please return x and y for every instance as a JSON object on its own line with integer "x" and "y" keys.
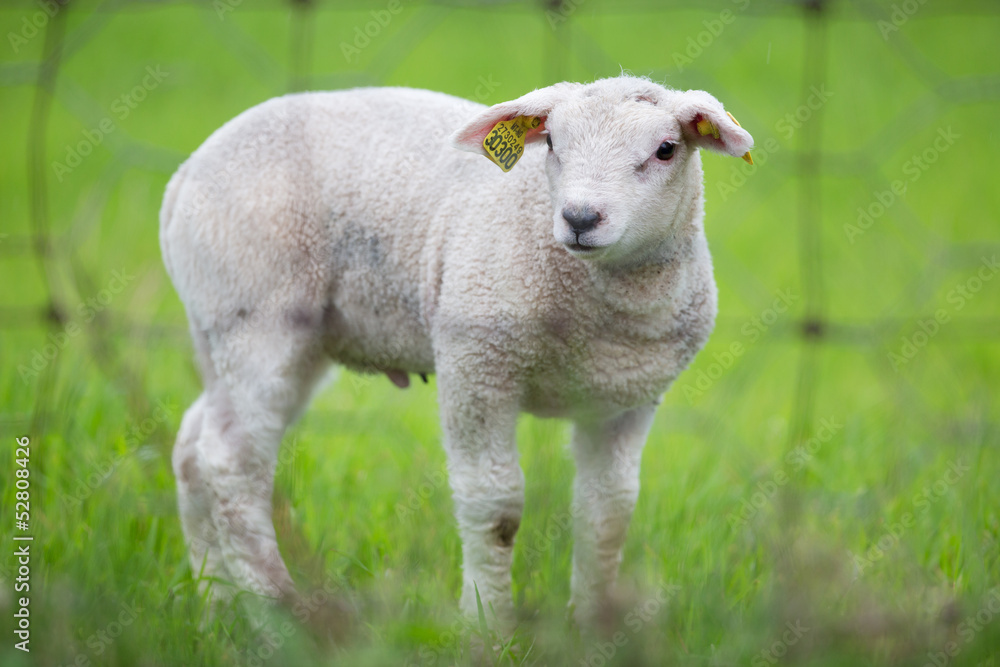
{"x": 802, "y": 483}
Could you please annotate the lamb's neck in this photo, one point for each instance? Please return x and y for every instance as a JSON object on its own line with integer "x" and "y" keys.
{"x": 663, "y": 275}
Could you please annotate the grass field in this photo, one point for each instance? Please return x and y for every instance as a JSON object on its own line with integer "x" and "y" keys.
{"x": 820, "y": 487}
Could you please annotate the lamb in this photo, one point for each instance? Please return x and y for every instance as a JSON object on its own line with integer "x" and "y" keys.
{"x": 337, "y": 227}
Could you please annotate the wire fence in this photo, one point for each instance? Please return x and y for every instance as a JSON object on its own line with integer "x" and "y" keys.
{"x": 65, "y": 275}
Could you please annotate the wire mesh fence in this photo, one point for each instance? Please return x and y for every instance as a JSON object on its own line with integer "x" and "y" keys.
{"x": 381, "y": 38}
{"x": 856, "y": 258}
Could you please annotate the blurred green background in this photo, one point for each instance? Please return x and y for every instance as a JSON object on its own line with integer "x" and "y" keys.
{"x": 820, "y": 486}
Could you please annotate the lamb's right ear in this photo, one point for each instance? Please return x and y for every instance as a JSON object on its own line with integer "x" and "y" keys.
{"x": 537, "y": 103}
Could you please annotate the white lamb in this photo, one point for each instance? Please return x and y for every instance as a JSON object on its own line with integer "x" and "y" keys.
{"x": 341, "y": 227}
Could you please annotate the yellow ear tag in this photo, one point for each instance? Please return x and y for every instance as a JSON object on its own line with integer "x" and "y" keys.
{"x": 705, "y": 127}
{"x": 746, "y": 156}
{"x": 504, "y": 145}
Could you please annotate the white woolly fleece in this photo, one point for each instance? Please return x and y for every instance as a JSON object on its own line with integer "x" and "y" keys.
{"x": 341, "y": 227}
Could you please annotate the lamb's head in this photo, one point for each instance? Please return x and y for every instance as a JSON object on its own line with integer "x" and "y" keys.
{"x": 622, "y": 165}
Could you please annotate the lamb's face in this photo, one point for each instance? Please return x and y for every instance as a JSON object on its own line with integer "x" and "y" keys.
{"x": 622, "y": 166}
{"x": 618, "y": 171}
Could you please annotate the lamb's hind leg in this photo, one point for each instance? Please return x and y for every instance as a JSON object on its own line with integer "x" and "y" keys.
{"x": 194, "y": 500}
{"x": 194, "y": 496}
{"x": 263, "y": 381}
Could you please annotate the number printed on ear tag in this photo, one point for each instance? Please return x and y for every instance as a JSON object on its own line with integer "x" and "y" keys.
{"x": 504, "y": 144}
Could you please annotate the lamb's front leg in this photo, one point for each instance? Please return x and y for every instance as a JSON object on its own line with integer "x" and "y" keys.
{"x": 488, "y": 489}
{"x": 607, "y": 457}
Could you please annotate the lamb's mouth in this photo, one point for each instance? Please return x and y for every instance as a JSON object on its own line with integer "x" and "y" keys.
{"x": 582, "y": 249}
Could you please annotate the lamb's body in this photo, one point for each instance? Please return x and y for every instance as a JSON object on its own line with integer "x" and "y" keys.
{"x": 338, "y": 227}
{"x": 346, "y": 236}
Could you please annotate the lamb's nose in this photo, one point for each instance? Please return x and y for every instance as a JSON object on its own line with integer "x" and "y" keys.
{"x": 581, "y": 219}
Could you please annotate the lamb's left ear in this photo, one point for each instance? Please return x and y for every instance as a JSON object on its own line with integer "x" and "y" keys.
{"x": 537, "y": 103}
{"x": 707, "y": 124}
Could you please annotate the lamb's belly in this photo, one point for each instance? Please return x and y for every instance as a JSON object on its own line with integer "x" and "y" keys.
{"x": 603, "y": 381}
{"x": 373, "y": 324}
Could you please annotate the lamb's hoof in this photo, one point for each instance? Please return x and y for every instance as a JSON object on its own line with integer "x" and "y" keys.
{"x": 328, "y": 616}
{"x": 603, "y": 617}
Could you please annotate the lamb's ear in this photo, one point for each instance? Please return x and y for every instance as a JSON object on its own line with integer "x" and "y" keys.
{"x": 537, "y": 103}
{"x": 707, "y": 124}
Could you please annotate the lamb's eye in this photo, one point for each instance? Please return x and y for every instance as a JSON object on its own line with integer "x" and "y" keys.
{"x": 548, "y": 140}
{"x": 665, "y": 151}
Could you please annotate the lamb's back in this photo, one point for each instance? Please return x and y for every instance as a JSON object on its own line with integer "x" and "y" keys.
{"x": 328, "y": 207}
